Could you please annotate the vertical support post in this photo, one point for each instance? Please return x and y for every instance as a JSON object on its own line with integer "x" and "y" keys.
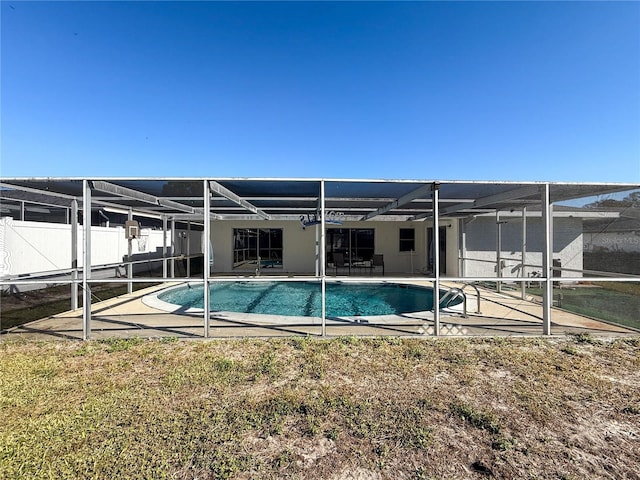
{"x": 188, "y": 249}
{"x": 498, "y": 251}
{"x": 86, "y": 260}
{"x": 317, "y": 250}
{"x": 463, "y": 248}
{"x": 323, "y": 252}
{"x": 523, "y": 273}
{"x": 206, "y": 248}
{"x": 129, "y": 255}
{"x": 164, "y": 246}
{"x": 436, "y": 257}
{"x": 547, "y": 253}
{"x": 22, "y": 211}
{"x": 172, "y": 248}
{"x": 74, "y": 254}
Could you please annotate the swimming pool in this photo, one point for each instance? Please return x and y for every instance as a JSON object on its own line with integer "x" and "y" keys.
{"x": 304, "y": 298}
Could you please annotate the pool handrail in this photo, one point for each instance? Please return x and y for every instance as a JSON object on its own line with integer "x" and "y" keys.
{"x": 450, "y": 296}
{"x": 473, "y": 284}
{"x": 455, "y": 292}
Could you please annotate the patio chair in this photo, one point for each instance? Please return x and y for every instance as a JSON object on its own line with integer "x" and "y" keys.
{"x": 338, "y": 261}
{"x": 377, "y": 261}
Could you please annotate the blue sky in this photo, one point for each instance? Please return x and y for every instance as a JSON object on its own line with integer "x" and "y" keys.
{"x": 450, "y": 91}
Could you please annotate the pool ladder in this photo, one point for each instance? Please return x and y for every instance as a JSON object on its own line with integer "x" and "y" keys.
{"x": 457, "y": 292}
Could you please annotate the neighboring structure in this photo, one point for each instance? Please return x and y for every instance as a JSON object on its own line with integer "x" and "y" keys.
{"x": 612, "y": 240}
{"x": 620, "y": 232}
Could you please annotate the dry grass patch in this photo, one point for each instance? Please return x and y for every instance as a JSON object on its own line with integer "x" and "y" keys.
{"x": 317, "y": 409}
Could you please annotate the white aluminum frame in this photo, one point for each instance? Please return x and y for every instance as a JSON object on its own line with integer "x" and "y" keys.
{"x": 482, "y": 204}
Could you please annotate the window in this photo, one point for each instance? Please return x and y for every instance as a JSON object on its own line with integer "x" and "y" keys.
{"x": 407, "y": 239}
{"x": 251, "y": 244}
{"x": 357, "y": 244}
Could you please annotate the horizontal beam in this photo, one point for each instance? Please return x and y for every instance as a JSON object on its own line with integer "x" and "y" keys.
{"x": 508, "y": 195}
{"x": 121, "y": 191}
{"x": 193, "y": 218}
{"x": 403, "y": 200}
{"x": 225, "y": 192}
{"x": 36, "y": 190}
{"x": 487, "y": 201}
{"x": 281, "y": 217}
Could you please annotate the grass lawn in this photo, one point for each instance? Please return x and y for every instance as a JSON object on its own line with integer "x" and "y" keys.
{"x": 320, "y": 409}
{"x": 609, "y": 305}
{"x": 18, "y": 309}
{"x": 616, "y": 302}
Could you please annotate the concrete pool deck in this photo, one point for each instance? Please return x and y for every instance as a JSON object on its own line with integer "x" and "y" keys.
{"x": 125, "y": 316}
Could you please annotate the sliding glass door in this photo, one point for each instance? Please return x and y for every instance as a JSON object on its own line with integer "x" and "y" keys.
{"x": 356, "y": 244}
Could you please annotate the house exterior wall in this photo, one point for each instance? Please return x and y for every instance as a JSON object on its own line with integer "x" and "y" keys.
{"x": 481, "y": 245}
{"x": 28, "y": 247}
{"x": 299, "y": 245}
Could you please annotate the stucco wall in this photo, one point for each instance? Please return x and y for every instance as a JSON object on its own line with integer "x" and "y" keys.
{"x": 299, "y": 244}
{"x": 481, "y": 241}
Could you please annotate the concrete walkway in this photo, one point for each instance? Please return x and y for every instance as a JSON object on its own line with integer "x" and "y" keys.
{"x": 128, "y": 316}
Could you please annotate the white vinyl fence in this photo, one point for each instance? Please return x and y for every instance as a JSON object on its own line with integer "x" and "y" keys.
{"x": 34, "y": 247}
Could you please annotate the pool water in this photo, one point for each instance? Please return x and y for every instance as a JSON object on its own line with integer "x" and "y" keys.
{"x": 304, "y": 298}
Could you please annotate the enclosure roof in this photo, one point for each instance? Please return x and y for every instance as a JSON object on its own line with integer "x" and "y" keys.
{"x": 281, "y": 198}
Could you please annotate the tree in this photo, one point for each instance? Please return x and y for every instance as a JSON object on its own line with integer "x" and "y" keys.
{"x": 631, "y": 200}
